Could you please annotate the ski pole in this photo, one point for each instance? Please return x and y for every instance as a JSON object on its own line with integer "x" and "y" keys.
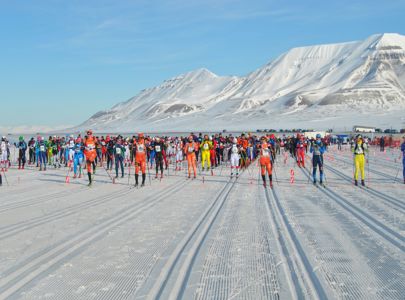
{"x": 150, "y": 182}
{"x": 5, "y": 177}
{"x": 274, "y": 169}
{"x": 396, "y": 176}
{"x": 368, "y": 169}
{"x": 129, "y": 171}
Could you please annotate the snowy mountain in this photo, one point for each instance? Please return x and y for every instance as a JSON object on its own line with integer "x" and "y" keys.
{"x": 334, "y": 86}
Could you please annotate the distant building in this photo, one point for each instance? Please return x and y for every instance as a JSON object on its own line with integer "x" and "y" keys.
{"x": 363, "y": 129}
{"x": 312, "y": 134}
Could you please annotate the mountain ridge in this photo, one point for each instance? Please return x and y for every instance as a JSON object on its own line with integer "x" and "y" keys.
{"x": 361, "y": 77}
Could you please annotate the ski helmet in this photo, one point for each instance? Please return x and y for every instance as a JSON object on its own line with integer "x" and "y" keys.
{"x": 235, "y": 141}
{"x": 89, "y": 132}
{"x": 318, "y": 135}
{"x": 21, "y": 138}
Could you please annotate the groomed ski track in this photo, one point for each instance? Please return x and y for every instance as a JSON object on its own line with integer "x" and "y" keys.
{"x": 215, "y": 237}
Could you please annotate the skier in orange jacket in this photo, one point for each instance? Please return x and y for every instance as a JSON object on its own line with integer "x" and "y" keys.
{"x": 190, "y": 149}
{"x": 90, "y": 153}
{"x": 265, "y": 162}
{"x": 140, "y": 159}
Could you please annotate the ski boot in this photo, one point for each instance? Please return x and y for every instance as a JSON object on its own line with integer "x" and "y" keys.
{"x": 362, "y": 182}
{"x": 136, "y": 180}
{"x": 143, "y": 180}
{"x": 90, "y": 179}
{"x": 355, "y": 182}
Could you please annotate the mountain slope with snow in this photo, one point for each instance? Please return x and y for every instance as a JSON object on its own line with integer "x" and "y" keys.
{"x": 336, "y": 85}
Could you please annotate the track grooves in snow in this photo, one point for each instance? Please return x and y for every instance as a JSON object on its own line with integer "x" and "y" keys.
{"x": 393, "y": 178}
{"x": 38, "y": 266}
{"x": 311, "y": 281}
{"x": 202, "y": 227}
{"x": 385, "y": 232}
{"x": 10, "y": 230}
{"x": 35, "y": 200}
{"x": 396, "y": 202}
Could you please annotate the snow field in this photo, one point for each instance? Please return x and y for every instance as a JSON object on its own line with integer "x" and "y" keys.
{"x": 209, "y": 238}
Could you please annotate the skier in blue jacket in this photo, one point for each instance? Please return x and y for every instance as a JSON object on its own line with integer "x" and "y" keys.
{"x": 317, "y": 149}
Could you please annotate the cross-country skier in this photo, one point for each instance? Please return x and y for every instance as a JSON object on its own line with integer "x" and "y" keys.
{"x": 140, "y": 158}
{"x": 235, "y": 157}
{"x": 159, "y": 147}
{"x": 90, "y": 153}
{"x": 265, "y": 162}
{"x": 119, "y": 152}
{"x": 317, "y": 149}
{"x": 4, "y": 145}
{"x": 31, "y": 146}
{"x": 359, "y": 149}
{"x": 78, "y": 159}
{"x": 22, "y": 148}
{"x": 42, "y": 154}
{"x": 206, "y": 146}
{"x": 179, "y": 154}
{"x": 300, "y": 151}
{"x": 191, "y": 148}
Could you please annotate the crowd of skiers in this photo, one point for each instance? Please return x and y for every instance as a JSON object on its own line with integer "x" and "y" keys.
{"x": 145, "y": 153}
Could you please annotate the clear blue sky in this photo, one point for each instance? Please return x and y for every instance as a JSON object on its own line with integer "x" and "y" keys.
{"x": 61, "y": 61}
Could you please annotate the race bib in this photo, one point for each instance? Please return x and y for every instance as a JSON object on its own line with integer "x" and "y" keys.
{"x": 266, "y": 152}
{"x": 157, "y": 148}
{"x": 140, "y": 148}
{"x": 190, "y": 149}
{"x": 118, "y": 150}
{"x": 77, "y": 150}
{"x": 206, "y": 146}
{"x": 42, "y": 148}
{"x": 234, "y": 150}
{"x": 90, "y": 146}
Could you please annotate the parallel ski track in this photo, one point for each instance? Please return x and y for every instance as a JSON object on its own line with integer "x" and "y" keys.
{"x": 10, "y": 230}
{"x": 376, "y": 226}
{"x": 38, "y": 265}
{"x": 193, "y": 242}
{"x": 220, "y": 278}
{"x": 291, "y": 247}
{"x": 39, "y": 199}
{"x": 393, "y": 201}
{"x": 393, "y": 178}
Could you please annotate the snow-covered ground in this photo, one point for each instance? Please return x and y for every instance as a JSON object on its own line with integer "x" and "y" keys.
{"x": 210, "y": 238}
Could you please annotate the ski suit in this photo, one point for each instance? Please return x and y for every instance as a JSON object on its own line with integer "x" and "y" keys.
{"x": 4, "y": 152}
{"x": 22, "y": 148}
{"x": 205, "y": 147}
{"x": 213, "y": 154}
{"x": 317, "y": 149}
{"x": 90, "y": 152}
{"x": 42, "y": 154}
{"x": 31, "y": 145}
{"x": 235, "y": 157}
{"x": 119, "y": 152}
{"x": 300, "y": 153}
{"x": 140, "y": 159}
{"x": 78, "y": 158}
{"x": 191, "y": 149}
{"x": 265, "y": 162}
{"x": 110, "y": 154}
{"x": 159, "y": 148}
{"x": 70, "y": 149}
{"x": 359, "y": 150}
{"x": 179, "y": 155}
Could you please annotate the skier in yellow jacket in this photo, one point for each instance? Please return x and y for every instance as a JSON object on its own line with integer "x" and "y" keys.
{"x": 359, "y": 150}
{"x": 206, "y": 146}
